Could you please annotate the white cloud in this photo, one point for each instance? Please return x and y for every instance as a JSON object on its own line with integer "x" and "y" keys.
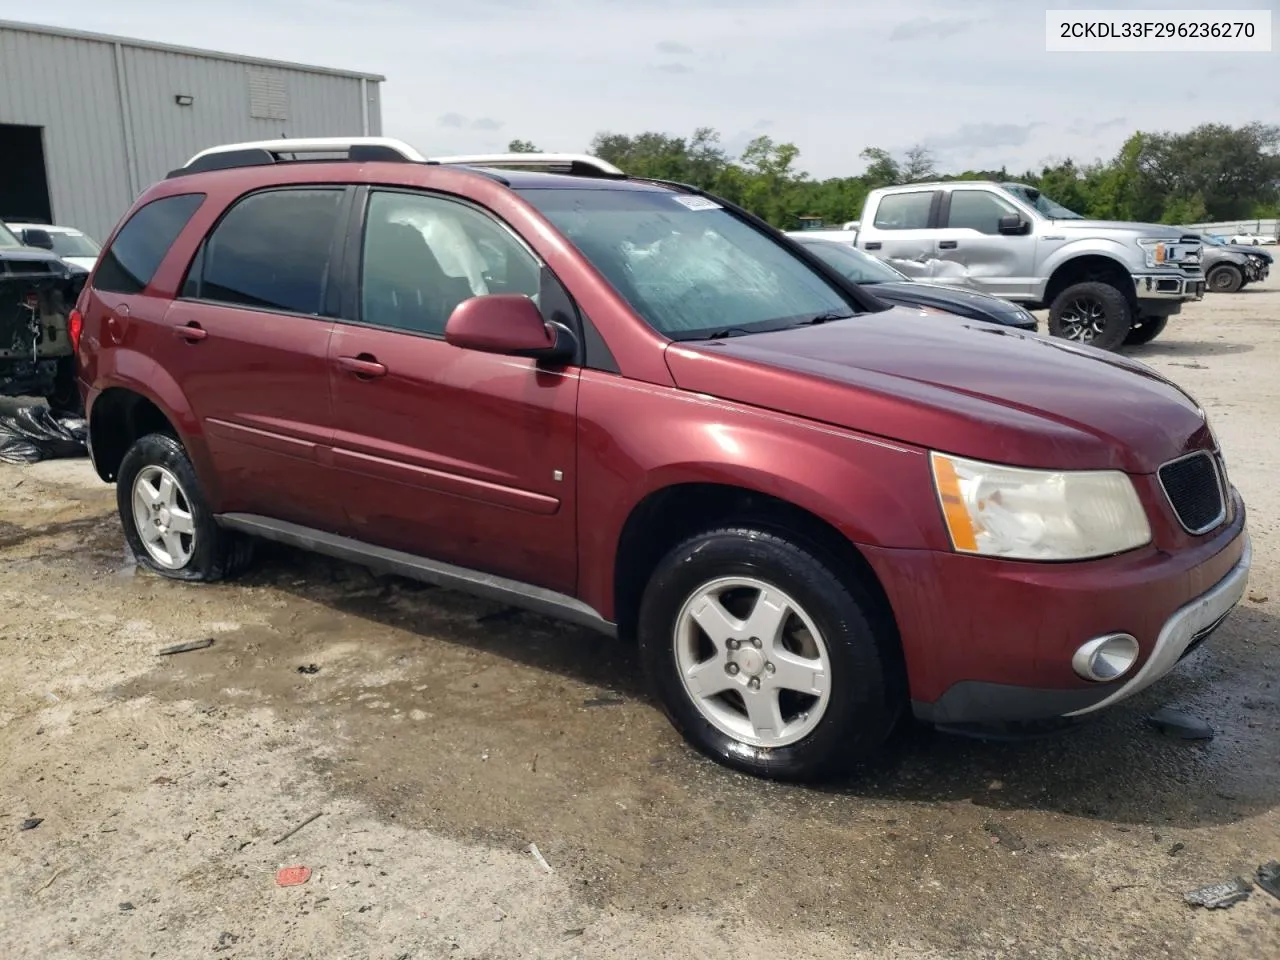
{"x": 826, "y": 73}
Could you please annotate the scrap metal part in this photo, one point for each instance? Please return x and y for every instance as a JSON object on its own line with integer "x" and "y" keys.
{"x": 1218, "y": 896}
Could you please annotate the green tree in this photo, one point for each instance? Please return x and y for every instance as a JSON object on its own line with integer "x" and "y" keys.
{"x": 522, "y": 146}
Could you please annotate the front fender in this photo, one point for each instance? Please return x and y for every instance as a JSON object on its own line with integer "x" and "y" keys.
{"x": 636, "y": 439}
{"x": 1126, "y": 257}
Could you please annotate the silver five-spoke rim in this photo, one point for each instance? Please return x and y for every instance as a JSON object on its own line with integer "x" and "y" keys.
{"x": 1083, "y": 320}
{"x": 753, "y": 662}
{"x": 162, "y": 515}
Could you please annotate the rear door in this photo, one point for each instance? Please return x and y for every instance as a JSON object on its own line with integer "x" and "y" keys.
{"x": 247, "y": 342}
{"x": 970, "y": 237}
{"x": 456, "y": 455}
{"x": 903, "y": 230}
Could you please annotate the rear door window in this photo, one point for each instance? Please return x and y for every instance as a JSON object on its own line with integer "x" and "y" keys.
{"x": 905, "y": 211}
{"x": 135, "y": 255}
{"x": 271, "y": 251}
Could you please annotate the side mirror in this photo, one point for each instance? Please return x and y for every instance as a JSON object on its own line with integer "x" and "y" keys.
{"x": 509, "y": 324}
{"x": 1013, "y": 225}
{"x": 37, "y": 238}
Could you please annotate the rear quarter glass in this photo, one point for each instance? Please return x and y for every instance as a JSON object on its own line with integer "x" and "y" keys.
{"x": 139, "y": 247}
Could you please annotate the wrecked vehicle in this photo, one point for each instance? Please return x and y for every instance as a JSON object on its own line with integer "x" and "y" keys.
{"x": 636, "y": 407}
{"x": 1229, "y": 267}
{"x": 37, "y": 293}
{"x": 1104, "y": 283}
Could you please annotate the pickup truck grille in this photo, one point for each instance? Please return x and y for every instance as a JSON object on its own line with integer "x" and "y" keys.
{"x": 1194, "y": 487}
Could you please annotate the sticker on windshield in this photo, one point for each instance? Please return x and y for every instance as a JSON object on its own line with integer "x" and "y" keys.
{"x": 697, "y": 203}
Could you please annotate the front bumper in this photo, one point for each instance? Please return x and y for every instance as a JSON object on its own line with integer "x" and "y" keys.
{"x": 1168, "y": 286}
{"x": 992, "y": 641}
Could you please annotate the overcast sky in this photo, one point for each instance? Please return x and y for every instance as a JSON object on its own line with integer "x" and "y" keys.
{"x": 971, "y": 79}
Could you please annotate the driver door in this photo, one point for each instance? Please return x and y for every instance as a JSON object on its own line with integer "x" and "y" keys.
{"x": 446, "y": 453}
{"x": 999, "y": 264}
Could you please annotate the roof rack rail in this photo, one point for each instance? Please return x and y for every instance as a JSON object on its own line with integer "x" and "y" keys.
{"x": 264, "y": 152}
{"x": 578, "y": 164}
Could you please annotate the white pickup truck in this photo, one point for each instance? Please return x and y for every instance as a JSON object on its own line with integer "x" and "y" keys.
{"x": 1104, "y": 283}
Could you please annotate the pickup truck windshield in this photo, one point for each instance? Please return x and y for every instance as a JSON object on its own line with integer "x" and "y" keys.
{"x": 1033, "y": 197}
{"x": 7, "y": 240}
{"x": 686, "y": 265}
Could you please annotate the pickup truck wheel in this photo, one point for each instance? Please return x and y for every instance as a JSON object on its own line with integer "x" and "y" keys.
{"x": 1145, "y": 330}
{"x": 167, "y": 523}
{"x": 1225, "y": 279}
{"x": 764, "y": 659}
{"x": 1093, "y": 313}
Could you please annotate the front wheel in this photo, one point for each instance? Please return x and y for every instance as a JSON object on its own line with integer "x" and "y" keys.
{"x": 1093, "y": 313}
{"x": 1145, "y": 330}
{"x": 1225, "y": 279}
{"x": 765, "y": 660}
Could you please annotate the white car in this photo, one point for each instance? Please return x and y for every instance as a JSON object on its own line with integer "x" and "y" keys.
{"x": 70, "y": 244}
{"x": 1251, "y": 239}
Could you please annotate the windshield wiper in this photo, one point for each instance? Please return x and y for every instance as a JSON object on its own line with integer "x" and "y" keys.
{"x": 825, "y": 318}
{"x": 721, "y": 334}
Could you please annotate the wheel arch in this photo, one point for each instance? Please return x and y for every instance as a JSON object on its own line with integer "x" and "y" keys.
{"x": 1087, "y": 267}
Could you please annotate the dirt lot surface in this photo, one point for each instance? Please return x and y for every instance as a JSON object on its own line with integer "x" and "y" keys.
{"x": 438, "y": 737}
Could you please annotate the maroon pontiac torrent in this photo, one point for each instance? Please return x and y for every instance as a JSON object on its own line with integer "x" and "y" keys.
{"x": 634, "y": 406}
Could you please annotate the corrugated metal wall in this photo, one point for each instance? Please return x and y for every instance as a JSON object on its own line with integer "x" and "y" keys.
{"x": 112, "y": 126}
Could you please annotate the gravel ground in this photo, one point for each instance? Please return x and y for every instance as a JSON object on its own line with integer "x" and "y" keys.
{"x": 438, "y": 737}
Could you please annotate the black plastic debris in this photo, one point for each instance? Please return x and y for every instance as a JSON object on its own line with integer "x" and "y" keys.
{"x": 1175, "y": 723}
{"x": 1269, "y": 878}
{"x": 31, "y": 824}
{"x": 1219, "y": 896}
{"x": 310, "y": 669}
{"x": 36, "y": 433}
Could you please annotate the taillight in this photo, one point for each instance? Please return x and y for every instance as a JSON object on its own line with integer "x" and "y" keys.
{"x": 75, "y": 324}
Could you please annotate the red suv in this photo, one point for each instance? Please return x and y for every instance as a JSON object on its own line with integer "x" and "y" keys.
{"x": 634, "y": 406}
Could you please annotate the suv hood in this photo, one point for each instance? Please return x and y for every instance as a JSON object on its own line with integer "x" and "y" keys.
{"x": 958, "y": 386}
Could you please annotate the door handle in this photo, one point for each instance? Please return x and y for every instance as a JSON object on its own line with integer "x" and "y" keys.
{"x": 190, "y": 332}
{"x": 946, "y": 244}
{"x": 365, "y": 366}
{"x": 874, "y": 245}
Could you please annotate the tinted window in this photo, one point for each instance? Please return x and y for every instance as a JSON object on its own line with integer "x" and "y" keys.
{"x": 904, "y": 211}
{"x": 424, "y": 255}
{"x": 978, "y": 210}
{"x": 857, "y": 266}
{"x": 138, "y": 249}
{"x": 271, "y": 251}
{"x": 686, "y": 265}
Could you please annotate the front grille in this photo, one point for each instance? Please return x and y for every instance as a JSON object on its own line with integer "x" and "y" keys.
{"x": 1194, "y": 488}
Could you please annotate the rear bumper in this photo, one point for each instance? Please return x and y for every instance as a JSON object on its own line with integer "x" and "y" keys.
{"x": 990, "y": 641}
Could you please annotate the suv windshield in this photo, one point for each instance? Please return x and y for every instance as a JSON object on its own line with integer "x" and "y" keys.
{"x": 1034, "y": 198}
{"x": 853, "y": 263}
{"x": 687, "y": 266}
{"x": 7, "y": 240}
{"x": 73, "y": 245}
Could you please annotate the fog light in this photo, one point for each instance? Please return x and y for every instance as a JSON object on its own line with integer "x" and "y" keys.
{"x": 1106, "y": 658}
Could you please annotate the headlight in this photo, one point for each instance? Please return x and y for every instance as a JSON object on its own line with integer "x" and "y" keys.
{"x": 1167, "y": 253}
{"x": 1019, "y": 514}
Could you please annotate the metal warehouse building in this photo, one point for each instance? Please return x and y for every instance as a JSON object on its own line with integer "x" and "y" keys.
{"x": 87, "y": 121}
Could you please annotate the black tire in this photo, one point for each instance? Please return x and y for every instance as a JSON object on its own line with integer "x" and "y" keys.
{"x": 214, "y": 553}
{"x": 65, "y": 395}
{"x": 1145, "y": 330}
{"x": 867, "y": 689}
{"x": 1224, "y": 278}
{"x": 1093, "y": 313}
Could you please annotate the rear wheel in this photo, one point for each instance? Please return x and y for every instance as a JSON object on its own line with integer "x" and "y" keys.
{"x": 764, "y": 659}
{"x": 166, "y": 520}
{"x": 1146, "y": 330}
{"x": 1225, "y": 279}
{"x": 1092, "y": 313}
